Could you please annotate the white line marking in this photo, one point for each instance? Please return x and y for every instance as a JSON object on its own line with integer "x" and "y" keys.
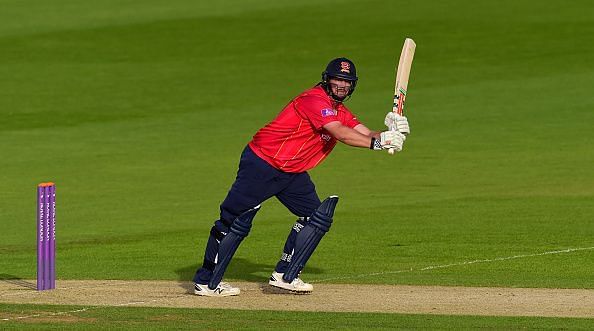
{"x": 83, "y": 309}
{"x": 497, "y": 259}
{"x": 50, "y": 314}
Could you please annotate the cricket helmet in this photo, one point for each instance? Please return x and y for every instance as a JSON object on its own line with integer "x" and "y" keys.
{"x": 342, "y": 68}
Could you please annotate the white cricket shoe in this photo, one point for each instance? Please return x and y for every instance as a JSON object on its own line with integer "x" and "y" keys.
{"x": 296, "y": 286}
{"x": 222, "y": 290}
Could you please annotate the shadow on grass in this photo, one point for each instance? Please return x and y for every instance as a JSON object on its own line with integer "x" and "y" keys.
{"x": 11, "y": 279}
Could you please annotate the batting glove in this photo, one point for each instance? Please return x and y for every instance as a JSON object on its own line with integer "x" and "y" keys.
{"x": 397, "y": 122}
{"x": 388, "y": 140}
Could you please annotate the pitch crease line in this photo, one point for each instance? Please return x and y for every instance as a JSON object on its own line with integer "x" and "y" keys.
{"x": 81, "y": 310}
{"x": 497, "y": 259}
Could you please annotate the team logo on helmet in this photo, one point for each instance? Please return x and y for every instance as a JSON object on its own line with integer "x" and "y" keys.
{"x": 345, "y": 67}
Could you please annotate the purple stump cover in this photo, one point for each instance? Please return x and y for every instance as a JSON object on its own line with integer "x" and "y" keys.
{"x": 52, "y": 236}
{"x": 40, "y": 218}
{"x": 46, "y": 236}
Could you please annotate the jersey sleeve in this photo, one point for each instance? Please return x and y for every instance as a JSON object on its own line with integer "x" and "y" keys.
{"x": 316, "y": 110}
{"x": 350, "y": 119}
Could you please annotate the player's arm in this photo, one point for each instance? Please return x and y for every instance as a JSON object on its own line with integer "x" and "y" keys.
{"x": 348, "y": 135}
{"x": 364, "y": 130}
{"x": 352, "y": 137}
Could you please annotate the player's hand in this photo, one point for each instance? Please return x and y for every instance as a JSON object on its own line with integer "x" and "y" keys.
{"x": 397, "y": 122}
{"x": 389, "y": 140}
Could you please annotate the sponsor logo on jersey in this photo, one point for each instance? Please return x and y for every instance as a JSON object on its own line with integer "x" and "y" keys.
{"x": 328, "y": 112}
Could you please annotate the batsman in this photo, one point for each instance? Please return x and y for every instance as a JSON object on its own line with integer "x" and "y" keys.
{"x": 275, "y": 164}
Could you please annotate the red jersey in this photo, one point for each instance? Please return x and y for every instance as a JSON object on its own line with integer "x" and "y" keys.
{"x": 295, "y": 141}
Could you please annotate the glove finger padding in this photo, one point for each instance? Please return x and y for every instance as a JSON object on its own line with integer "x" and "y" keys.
{"x": 397, "y": 122}
{"x": 392, "y": 140}
{"x": 390, "y": 120}
{"x": 402, "y": 124}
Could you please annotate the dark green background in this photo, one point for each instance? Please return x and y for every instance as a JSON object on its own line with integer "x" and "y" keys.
{"x": 139, "y": 113}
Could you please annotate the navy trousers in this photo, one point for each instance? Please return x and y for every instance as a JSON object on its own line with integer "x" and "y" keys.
{"x": 256, "y": 182}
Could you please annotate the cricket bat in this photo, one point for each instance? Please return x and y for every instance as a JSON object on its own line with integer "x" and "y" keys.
{"x": 402, "y": 73}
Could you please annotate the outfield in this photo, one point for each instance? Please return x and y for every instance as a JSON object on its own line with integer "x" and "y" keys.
{"x": 139, "y": 114}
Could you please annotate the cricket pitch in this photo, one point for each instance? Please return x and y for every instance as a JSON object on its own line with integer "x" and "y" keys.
{"x": 442, "y": 300}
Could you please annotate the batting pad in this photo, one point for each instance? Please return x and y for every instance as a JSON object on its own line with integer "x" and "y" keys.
{"x": 239, "y": 230}
{"x": 309, "y": 237}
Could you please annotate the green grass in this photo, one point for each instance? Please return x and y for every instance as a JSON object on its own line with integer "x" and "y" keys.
{"x": 139, "y": 114}
{"x": 137, "y": 318}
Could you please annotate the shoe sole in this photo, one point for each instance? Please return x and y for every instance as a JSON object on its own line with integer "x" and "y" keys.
{"x": 285, "y": 290}
{"x": 202, "y": 294}
{"x": 207, "y": 294}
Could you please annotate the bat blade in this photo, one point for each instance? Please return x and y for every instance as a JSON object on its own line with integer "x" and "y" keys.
{"x": 402, "y": 74}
